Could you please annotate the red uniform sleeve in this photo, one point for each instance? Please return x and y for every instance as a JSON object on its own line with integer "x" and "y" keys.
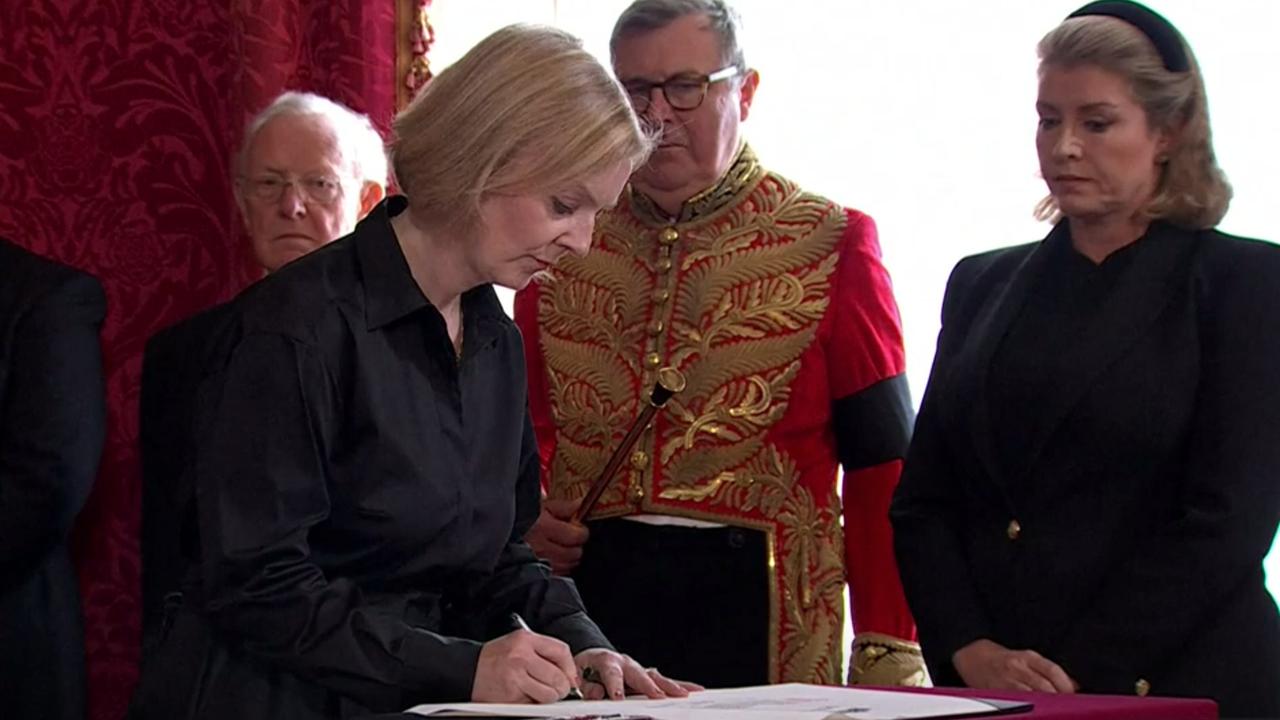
{"x": 872, "y": 415}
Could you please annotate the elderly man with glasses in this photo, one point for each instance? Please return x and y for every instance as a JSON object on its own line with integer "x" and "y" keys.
{"x": 718, "y": 552}
{"x": 308, "y": 170}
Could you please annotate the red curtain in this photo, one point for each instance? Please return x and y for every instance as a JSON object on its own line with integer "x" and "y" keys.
{"x": 118, "y": 120}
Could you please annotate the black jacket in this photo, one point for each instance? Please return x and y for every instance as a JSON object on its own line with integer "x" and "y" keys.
{"x": 1146, "y": 500}
{"x": 52, "y": 422}
{"x": 172, "y": 368}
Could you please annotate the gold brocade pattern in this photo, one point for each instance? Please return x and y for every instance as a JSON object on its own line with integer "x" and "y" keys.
{"x": 415, "y": 36}
{"x": 880, "y": 659}
{"x": 732, "y": 297}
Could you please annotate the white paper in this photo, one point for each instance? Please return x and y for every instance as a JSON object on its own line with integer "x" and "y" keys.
{"x": 768, "y": 702}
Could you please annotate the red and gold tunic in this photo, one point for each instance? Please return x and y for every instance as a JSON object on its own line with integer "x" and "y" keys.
{"x": 774, "y": 305}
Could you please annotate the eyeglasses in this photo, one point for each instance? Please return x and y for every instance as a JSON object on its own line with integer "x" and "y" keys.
{"x": 682, "y": 92}
{"x": 319, "y": 189}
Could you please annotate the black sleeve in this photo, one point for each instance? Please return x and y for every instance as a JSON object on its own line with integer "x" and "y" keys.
{"x": 522, "y": 583}
{"x": 173, "y": 364}
{"x": 52, "y": 424}
{"x": 266, "y": 425}
{"x": 935, "y": 574}
{"x": 162, "y": 437}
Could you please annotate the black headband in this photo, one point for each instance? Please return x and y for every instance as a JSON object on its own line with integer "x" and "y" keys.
{"x": 1159, "y": 31}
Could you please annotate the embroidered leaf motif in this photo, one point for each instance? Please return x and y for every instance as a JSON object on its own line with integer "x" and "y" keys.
{"x": 751, "y": 285}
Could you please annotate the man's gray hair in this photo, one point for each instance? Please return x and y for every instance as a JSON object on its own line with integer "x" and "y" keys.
{"x": 359, "y": 141}
{"x": 644, "y": 16}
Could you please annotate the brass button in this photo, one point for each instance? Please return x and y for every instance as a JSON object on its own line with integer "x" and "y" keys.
{"x": 1014, "y": 529}
{"x": 668, "y": 235}
{"x": 656, "y": 327}
{"x": 664, "y": 264}
{"x": 661, "y": 295}
{"x": 639, "y": 460}
{"x": 652, "y": 361}
{"x": 1142, "y": 687}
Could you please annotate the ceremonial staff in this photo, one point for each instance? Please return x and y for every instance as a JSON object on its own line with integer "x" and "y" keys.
{"x": 670, "y": 381}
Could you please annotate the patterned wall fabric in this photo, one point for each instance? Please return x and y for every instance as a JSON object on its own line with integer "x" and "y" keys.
{"x": 118, "y": 120}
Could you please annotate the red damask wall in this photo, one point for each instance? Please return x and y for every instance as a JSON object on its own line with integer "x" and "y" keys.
{"x": 118, "y": 119}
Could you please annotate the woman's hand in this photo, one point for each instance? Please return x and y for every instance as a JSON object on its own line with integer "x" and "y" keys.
{"x": 524, "y": 667}
{"x": 557, "y": 539}
{"x": 610, "y": 674}
{"x": 992, "y": 666}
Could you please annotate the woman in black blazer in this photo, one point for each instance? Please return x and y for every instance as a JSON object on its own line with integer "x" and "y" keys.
{"x": 1095, "y": 474}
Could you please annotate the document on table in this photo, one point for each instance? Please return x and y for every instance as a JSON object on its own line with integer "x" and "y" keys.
{"x": 767, "y": 702}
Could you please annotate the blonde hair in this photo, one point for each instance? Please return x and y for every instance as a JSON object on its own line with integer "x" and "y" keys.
{"x": 526, "y": 108}
{"x": 1192, "y": 191}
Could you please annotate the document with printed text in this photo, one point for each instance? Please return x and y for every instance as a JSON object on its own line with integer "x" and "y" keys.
{"x": 769, "y": 702}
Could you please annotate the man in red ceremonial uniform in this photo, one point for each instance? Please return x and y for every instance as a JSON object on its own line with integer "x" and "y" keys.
{"x": 717, "y": 553}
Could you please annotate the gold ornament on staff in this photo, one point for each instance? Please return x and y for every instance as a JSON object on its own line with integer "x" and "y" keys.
{"x": 670, "y": 381}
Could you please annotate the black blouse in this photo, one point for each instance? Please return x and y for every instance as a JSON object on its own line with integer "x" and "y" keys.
{"x": 363, "y": 493}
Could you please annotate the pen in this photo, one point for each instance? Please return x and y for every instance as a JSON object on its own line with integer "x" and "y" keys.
{"x": 575, "y": 693}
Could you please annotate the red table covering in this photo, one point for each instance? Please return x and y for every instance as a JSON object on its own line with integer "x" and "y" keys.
{"x": 1091, "y": 707}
